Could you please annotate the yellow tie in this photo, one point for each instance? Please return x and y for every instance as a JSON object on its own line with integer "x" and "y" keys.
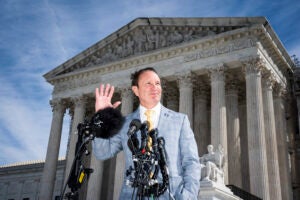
{"x": 149, "y": 114}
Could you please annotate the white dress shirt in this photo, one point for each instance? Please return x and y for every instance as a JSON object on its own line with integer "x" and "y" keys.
{"x": 155, "y": 117}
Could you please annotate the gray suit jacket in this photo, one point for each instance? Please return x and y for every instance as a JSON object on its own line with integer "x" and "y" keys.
{"x": 181, "y": 150}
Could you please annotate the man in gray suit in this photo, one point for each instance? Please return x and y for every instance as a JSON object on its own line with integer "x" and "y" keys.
{"x": 180, "y": 145}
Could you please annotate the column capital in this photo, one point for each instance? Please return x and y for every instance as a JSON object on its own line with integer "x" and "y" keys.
{"x": 279, "y": 90}
{"x": 216, "y": 73}
{"x": 58, "y": 105}
{"x": 185, "y": 80}
{"x": 268, "y": 80}
{"x": 185, "y": 85}
{"x": 252, "y": 65}
{"x": 79, "y": 100}
{"x": 126, "y": 92}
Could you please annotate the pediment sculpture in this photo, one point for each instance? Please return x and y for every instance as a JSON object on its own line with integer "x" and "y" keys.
{"x": 143, "y": 39}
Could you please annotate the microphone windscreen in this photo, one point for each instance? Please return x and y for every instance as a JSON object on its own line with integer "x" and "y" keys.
{"x": 145, "y": 125}
{"x": 135, "y": 123}
{"x": 107, "y": 122}
{"x": 153, "y": 133}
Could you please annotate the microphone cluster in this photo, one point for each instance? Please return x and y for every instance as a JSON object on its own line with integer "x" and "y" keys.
{"x": 147, "y": 161}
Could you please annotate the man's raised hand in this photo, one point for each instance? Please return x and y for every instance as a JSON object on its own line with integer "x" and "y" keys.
{"x": 103, "y": 97}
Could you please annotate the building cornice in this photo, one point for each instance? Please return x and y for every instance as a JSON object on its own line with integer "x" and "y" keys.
{"x": 27, "y": 165}
{"x": 217, "y": 43}
{"x": 190, "y": 28}
{"x": 256, "y": 36}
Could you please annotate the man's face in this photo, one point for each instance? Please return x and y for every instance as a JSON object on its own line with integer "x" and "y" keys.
{"x": 148, "y": 90}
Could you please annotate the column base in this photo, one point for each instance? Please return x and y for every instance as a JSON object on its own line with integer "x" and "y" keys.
{"x": 210, "y": 190}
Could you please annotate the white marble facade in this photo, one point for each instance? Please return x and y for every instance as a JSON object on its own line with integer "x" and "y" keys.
{"x": 21, "y": 181}
{"x": 231, "y": 76}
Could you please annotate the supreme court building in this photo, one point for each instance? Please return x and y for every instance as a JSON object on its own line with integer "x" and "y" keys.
{"x": 231, "y": 76}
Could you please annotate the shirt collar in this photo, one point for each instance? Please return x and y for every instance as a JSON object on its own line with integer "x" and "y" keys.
{"x": 155, "y": 108}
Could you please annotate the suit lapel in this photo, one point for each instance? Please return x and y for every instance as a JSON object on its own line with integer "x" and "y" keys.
{"x": 136, "y": 114}
{"x": 163, "y": 120}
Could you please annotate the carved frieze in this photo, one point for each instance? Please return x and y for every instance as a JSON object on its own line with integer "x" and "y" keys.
{"x": 148, "y": 38}
{"x": 231, "y": 46}
{"x": 75, "y": 82}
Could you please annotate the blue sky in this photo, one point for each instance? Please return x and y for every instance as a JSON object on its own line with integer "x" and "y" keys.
{"x": 37, "y": 36}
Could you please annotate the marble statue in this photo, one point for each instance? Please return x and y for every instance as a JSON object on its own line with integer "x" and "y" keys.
{"x": 212, "y": 165}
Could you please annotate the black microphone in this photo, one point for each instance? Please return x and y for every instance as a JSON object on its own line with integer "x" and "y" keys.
{"x": 133, "y": 144}
{"x": 153, "y": 134}
{"x": 134, "y": 126}
{"x": 162, "y": 151}
{"x": 144, "y": 134}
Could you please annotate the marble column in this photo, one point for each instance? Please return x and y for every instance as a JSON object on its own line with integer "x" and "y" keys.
{"x": 126, "y": 108}
{"x": 95, "y": 180}
{"x": 78, "y": 117}
{"x": 233, "y": 135}
{"x": 49, "y": 172}
{"x": 201, "y": 129}
{"x": 244, "y": 145}
{"x": 218, "y": 108}
{"x": 271, "y": 141}
{"x": 218, "y": 113}
{"x": 185, "y": 86}
{"x": 298, "y": 106}
{"x": 258, "y": 172}
{"x": 282, "y": 146}
{"x": 293, "y": 129}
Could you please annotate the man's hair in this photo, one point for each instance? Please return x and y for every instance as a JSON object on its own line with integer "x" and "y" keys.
{"x": 135, "y": 76}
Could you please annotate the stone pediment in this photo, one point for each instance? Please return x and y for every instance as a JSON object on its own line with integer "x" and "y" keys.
{"x": 144, "y": 35}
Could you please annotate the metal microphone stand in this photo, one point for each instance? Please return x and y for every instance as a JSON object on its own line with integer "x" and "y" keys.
{"x": 79, "y": 173}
